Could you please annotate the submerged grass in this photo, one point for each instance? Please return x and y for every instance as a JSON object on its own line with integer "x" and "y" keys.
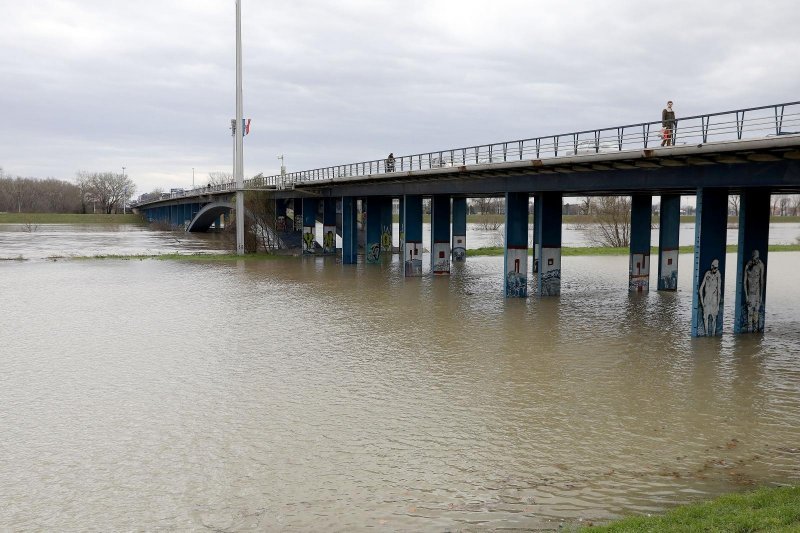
{"x": 766, "y": 509}
{"x": 606, "y": 250}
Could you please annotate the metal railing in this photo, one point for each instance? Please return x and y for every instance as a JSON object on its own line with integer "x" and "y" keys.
{"x": 740, "y": 124}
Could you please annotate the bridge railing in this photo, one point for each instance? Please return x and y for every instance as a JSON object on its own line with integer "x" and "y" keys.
{"x": 740, "y": 124}
{"x": 749, "y": 123}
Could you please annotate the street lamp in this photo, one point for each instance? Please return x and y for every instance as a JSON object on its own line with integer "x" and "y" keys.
{"x": 192, "y": 177}
{"x": 124, "y": 191}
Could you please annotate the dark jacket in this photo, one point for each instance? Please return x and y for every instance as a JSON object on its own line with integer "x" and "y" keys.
{"x": 668, "y": 118}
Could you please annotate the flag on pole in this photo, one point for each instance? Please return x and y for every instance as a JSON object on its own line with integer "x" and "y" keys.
{"x": 245, "y": 126}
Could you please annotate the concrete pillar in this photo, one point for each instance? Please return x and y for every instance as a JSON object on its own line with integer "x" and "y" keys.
{"x": 548, "y": 243}
{"x": 669, "y": 227}
{"x": 280, "y": 216}
{"x": 329, "y": 226}
{"x": 641, "y": 221}
{"x": 751, "y": 261}
{"x": 709, "y": 262}
{"x": 386, "y": 225}
{"x": 401, "y": 225}
{"x": 516, "y": 253}
{"x": 537, "y": 207}
{"x": 349, "y": 230}
{"x": 372, "y": 244}
{"x": 310, "y": 208}
{"x": 459, "y": 245}
{"x": 297, "y": 208}
{"x": 440, "y": 234}
{"x": 412, "y": 245}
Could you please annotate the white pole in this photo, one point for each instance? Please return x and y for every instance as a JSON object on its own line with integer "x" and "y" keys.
{"x": 238, "y": 174}
{"x": 124, "y": 191}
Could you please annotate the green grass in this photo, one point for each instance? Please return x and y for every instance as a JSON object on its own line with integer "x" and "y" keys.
{"x": 68, "y": 218}
{"x": 604, "y": 250}
{"x": 767, "y": 509}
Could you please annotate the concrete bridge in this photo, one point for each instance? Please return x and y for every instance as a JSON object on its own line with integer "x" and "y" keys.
{"x": 752, "y": 152}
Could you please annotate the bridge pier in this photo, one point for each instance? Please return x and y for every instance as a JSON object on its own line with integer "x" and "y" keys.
{"x": 641, "y": 222}
{"x": 515, "y": 260}
{"x": 401, "y": 204}
{"x": 548, "y": 243}
{"x": 709, "y": 262}
{"x": 310, "y": 207}
{"x": 751, "y": 261}
{"x": 537, "y": 207}
{"x": 280, "y": 215}
{"x": 412, "y": 246}
{"x": 440, "y": 234}
{"x": 297, "y": 214}
{"x": 349, "y": 230}
{"x": 374, "y": 231}
{"x": 459, "y": 244}
{"x": 669, "y": 226}
{"x": 386, "y": 225}
{"x": 329, "y": 226}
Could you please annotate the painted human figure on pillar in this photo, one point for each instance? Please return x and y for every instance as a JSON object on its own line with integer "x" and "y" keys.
{"x": 710, "y": 293}
{"x": 754, "y": 291}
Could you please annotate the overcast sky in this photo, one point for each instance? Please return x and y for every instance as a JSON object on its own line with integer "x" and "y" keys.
{"x": 149, "y": 85}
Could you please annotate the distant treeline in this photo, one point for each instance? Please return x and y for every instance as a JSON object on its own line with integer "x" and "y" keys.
{"x": 28, "y": 195}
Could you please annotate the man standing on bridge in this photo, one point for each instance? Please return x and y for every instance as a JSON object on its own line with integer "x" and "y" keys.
{"x": 668, "y": 125}
{"x": 390, "y": 163}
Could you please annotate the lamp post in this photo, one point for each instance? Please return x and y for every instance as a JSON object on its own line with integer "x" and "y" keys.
{"x": 124, "y": 190}
{"x": 192, "y": 177}
{"x": 239, "y": 132}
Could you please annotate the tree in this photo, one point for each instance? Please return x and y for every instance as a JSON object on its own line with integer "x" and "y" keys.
{"x": 219, "y": 178}
{"x": 610, "y": 222}
{"x": 108, "y": 189}
{"x": 733, "y": 204}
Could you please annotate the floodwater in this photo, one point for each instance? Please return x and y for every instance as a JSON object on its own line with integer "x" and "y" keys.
{"x": 306, "y": 395}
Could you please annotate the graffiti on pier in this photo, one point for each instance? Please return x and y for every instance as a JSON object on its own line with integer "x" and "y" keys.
{"x": 280, "y": 225}
{"x": 329, "y": 239}
{"x": 386, "y": 238}
{"x": 669, "y": 271}
{"x": 373, "y": 252}
{"x": 516, "y": 282}
{"x": 639, "y": 278}
{"x": 550, "y": 272}
{"x": 711, "y": 301}
{"x": 441, "y": 258}
{"x": 753, "y": 292}
{"x": 459, "y": 248}
{"x": 308, "y": 239}
{"x": 413, "y": 260}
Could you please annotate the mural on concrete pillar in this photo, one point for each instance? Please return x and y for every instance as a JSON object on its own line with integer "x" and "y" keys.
{"x": 516, "y": 272}
{"x": 550, "y": 271}
{"x": 386, "y": 238}
{"x": 710, "y": 298}
{"x": 753, "y": 289}
{"x": 412, "y": 253}
{"x": 329, "y": 239}
{"x": 440, "y": 258}
{"x": 280, "y": 225}
{"x": 639, "y": 278}
{"x": 298, "y": 222}
{"x": 459, "y": 248}
{"x": 373, "y": 252}
{"x": 669, "y": 271}
{"x": 308, "y": 239}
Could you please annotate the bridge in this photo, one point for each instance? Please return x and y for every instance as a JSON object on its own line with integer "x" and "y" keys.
{"x": 752, "y": 152}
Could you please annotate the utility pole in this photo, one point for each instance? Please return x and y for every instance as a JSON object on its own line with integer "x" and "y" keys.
{"x": 124, "y": 191}
{"x": 192, "y": 177}
{"x": 238, "y": 173}
{"x": 283, "y": 166}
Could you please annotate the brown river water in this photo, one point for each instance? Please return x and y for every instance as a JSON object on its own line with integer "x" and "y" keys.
{"x": 301, "y": 394}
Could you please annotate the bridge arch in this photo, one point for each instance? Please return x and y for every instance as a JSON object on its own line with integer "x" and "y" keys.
{"x": 209, "y": 214}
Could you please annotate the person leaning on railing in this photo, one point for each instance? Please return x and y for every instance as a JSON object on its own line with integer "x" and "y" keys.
{"x": 668, "y": 125}
{"x": 390, "y": 163}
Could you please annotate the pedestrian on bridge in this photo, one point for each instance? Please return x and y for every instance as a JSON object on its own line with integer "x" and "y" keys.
{"x": 668, "y": 125}
{"x": 390, "y": 163}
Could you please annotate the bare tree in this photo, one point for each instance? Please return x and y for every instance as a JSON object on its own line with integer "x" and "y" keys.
{"x": 610, "y": 223}
{"x": 733, "y": 204}
{"x": 108, "y": 189}
{"x": 219, "y": 178}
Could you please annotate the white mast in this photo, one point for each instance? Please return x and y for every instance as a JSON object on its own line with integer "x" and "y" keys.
{"x": 238, "y": 163}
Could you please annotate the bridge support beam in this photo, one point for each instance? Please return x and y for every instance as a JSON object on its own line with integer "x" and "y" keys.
{"x": 349, "y": 230}
{"x": 751, "y": 261}
{"x": 297, "y": 214}
{"x": 459, "y": 245}
{"x": 709, "y": 262}
{"x": 548, "y": 242}
{"x": 372, "y": 244}
{"x": 329, "y": 226}
{"x": 515, "y": 260}
{"x": 537, "y": 208}
{"x": 440, "y": 234}
{"x": 402, "y": 225}
{"x": 281, "y": 218}
{"x": 386, "y": 225}
{"x": 641, "y": 221}
{"x": 310, "y": 208}
{"x": 412, "y": 246}
{"x": 669, "y": 225}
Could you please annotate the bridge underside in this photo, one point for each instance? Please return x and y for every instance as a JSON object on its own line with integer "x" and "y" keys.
{"x": 209, "y": 215}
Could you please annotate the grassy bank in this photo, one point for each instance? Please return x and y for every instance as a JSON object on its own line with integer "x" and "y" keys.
{"x": 68, "y": 218}
{"x": 774, "y": 510}
{"x": 601, "y": 250}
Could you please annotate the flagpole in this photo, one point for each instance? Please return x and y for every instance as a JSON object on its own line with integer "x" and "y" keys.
{"x": 238, "y": 173}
